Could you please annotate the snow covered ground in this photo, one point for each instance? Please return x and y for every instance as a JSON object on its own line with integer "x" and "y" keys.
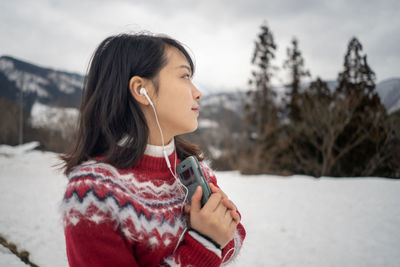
{"x": 290, "y": 221}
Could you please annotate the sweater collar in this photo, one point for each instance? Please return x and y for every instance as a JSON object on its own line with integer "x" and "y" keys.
{"x": 157, "y": 151}
{"x": 153, "y": 158}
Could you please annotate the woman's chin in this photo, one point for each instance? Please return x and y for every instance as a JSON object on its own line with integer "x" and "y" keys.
{"x": 191, "y": 129}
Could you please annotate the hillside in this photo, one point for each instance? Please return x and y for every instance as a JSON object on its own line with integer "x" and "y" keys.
{"x": 45, "y": 85}
{"x": 63, "y": 89}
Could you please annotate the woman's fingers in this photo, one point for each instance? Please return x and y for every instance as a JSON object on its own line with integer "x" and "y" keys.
{"x": 229, "y": 204}
{"x": 213, "y": 202}
{"x": 187, "y": 209}
{"x": 235, "y": 216}
{"x": 215, "y": 189}
{"x": 196, "y": 198}
{"x": 218, "y": 202}
{"x": 228, "y": 215}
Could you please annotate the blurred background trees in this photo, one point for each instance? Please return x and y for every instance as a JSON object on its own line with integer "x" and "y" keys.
{"x": 261, "y": 113}
{"x": 307, "y": 126}
{"x": 319, "y": 131}
{"x": 57, "y": 139}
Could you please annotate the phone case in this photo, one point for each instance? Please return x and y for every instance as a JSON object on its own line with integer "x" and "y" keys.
{"x": 191, "y": 176}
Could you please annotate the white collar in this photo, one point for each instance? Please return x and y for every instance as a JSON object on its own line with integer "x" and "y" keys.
{"x": 157, "y": 151}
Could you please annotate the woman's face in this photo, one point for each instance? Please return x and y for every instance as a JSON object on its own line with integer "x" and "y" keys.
{"x": 177, "y": 100}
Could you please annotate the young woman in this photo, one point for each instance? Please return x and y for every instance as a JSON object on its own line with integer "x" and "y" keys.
{"x": 124, "y": 204}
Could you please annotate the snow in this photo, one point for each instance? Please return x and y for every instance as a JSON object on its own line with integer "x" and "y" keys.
{"x": 12, "y": 151}
{"x": 290, "y": 221}
{"x": 206, "y": 123}
{"x": 30, "y": 192}
{"x": 302, "y": 221}
{"x": 7, "y": 258}
{"x": 27, "y": 81}
{"x": 228, "y": 100}
{"x": 66, "y": 83}
{"x": 215, "y": 152}
{"x": 55, "y": 118}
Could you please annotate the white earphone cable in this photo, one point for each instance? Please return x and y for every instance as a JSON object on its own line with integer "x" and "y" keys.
{"x": 169, "y": 167}
{"x": 165, "y": 154}
{"x": 176, "y": 178}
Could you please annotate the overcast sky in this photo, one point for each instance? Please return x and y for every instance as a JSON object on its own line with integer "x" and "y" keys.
{"x": 220, "y": 34}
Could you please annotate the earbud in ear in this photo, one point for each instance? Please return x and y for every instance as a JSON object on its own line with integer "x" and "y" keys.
{"x": 144, "y": 92}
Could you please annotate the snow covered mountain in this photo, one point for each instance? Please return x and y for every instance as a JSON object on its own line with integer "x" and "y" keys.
{"x": 39, "y": 84}
{"x": 214, "y": 102}
{"x": 63, "y": 89}
{"x": 389, "y": 92}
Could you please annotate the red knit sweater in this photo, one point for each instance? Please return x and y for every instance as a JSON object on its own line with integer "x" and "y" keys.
{"x": 133, "y": 217}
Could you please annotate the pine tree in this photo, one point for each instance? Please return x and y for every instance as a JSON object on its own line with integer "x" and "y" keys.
{"x": 340, "y": 133}
{"x": 366, "y": 113}
{"x": 261, "y": 113}
{"x": 313, "y": 134}
{"x": 295, "y": 64}
{"x": 357, "y": 77}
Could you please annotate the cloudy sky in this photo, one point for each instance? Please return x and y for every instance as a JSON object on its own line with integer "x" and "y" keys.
{"x": 220, "y": 34}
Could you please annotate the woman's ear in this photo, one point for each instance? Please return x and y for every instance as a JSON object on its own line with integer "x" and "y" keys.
{"x": 135, "y": 84}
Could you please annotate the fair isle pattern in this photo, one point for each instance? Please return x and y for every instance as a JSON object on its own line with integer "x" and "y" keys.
{"x": 143, "y": 211}
{"x": 134, "y": 217}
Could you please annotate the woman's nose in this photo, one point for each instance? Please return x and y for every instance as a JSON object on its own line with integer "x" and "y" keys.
{"x": 196, "y": 93}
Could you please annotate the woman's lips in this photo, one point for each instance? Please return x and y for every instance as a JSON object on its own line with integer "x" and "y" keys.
{"x": 196, "y": 110}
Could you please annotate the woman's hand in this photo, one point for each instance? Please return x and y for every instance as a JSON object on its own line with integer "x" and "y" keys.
{"x": 225, "y": 200}
{"x": 217, "y": 219}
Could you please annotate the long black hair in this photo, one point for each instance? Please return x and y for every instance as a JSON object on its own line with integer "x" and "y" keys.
{"x": 109, "y": 113}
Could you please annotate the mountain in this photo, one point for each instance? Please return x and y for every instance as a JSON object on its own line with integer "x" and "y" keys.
{"x": 389, "y": 92}
{"x": 44, "y": 85}
{"x": 214, "y": 102}
{"x": 63, "y": 89}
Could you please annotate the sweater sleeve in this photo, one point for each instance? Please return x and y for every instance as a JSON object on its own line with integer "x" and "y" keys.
{"x": 92, "y": 244}
{"x": 92, "y": 237}
{"x": 194, "y": 251}
{"x": 231, "y": 250}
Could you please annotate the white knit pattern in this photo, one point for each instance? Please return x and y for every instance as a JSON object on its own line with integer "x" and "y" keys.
{"x": 134, "y": 190}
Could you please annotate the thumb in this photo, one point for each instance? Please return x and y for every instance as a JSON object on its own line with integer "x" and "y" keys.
{"x": 187, "y": 209}
{"x": 213, "y": 188}
{"x": 196, "y": 205}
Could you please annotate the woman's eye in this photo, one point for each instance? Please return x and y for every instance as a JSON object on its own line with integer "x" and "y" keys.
{"x": 186, "y": 76}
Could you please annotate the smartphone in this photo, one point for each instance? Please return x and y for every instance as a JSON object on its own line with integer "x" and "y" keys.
{"x": 192, "y": 176}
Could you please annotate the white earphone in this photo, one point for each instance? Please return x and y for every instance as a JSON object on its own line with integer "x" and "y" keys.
{"x": 144, "y": 92}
